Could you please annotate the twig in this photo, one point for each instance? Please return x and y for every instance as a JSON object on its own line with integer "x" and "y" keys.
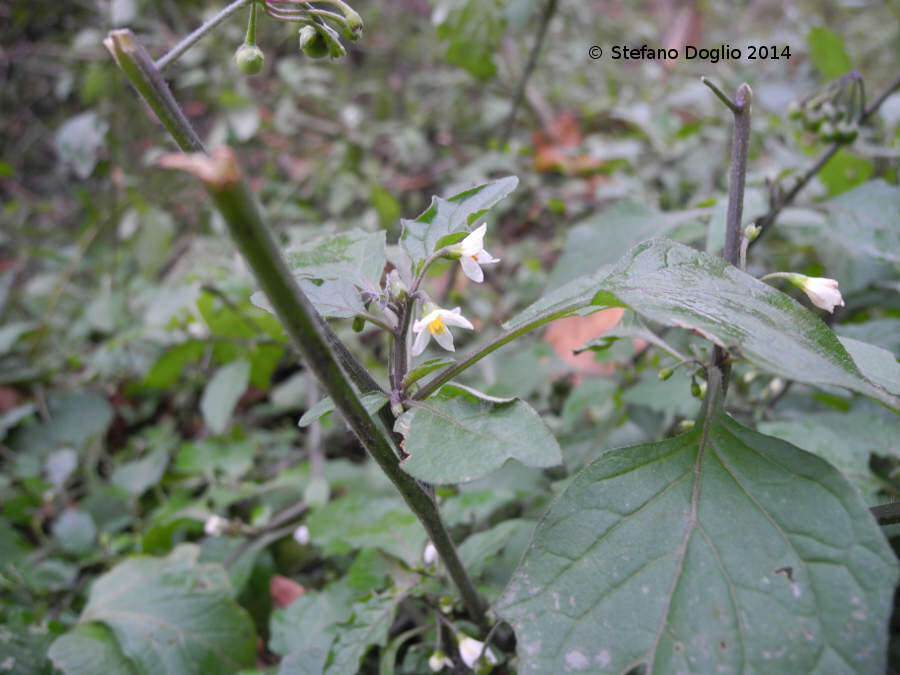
{"x": 764, "y": 222}
{"x": 195, "y": 36}
{"x": 549, "y": 11}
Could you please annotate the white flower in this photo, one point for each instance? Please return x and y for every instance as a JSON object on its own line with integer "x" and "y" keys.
{"x": 434, "y": 324}
{"x": 215, "y": 526}
{"x": 470, "y": 650}
{"x": 430, "y": 554}
{"x": 301, "y": 535}
{"x": 472, "y": 254}
{"x": 438, "y": 661}
{"x": 823, "y": 292}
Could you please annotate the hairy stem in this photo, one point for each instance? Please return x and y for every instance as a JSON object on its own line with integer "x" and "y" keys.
{"x": 199, "y": 33}
{"x": 737, "y": 174}
{"x": 222, "y": 179}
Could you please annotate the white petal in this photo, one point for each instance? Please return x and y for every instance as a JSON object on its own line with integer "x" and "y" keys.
{"x": 474, "y": 242}
{"x": 454, "y": 318}
{"x": 485, "y": 258}
{"x": 421, "y": 342}
{"x": 422, "y": 324}
{"x": 471, "y": 268}
{"x": 445, "y": 340}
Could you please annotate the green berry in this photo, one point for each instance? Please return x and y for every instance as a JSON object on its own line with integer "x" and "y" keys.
{"x": 696, "y": 390}
{"x": 665, "y": 374}
{"x": 249, "y": 59}
{"x": 313, "y": 43}
{"x": 795, "y": 110}
{"x": 827, "y": 132}
{"x": 359, "y": 323}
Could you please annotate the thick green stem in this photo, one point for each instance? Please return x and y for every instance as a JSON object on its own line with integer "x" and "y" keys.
{"x": 221, "y": 176}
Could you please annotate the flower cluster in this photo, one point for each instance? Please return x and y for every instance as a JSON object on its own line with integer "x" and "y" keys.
{"x": 435, "y": 320}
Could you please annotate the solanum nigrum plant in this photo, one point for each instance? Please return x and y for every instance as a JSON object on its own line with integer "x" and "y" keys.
{"x": 720, "y": 549}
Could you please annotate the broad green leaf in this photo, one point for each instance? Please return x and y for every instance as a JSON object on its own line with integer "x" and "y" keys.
{"x": 878, "y": 364}
{"x": 24, "y": 641}
{"x": 477, "y": 550}
{"x": 88, "y": 649}
{"x": 845, "y": 171}
{"x": 459, "y": 435}
{"x": 846, "y": 441}
{"x": 167, "y": 369}
{"x": 578, "y": 296}
{"x": 11, "y": 332}
{"x": 307, "y": 661}
{"x": 372, "y": 402}
{"x": 369, "y": 622}
{"x": 474, "y": 31}
{"x": 222, "y": 393}
{"x": 354, "y": 255}
{"x": 75, "y": 531}
{"x": 721, "y": 550}
{"x": 332, "y": 298}
{"x": 173, "y": 614}
{"x": 359, "y": 521}
{"x": 884, "y": 333}
{"x": 675, "y": 285}
{"x": 138, "y": 476}
{"x": 600, "y": 240}
{"x": 75, "y": 418}
{"x": 80, "y": 141}
{"x": 302, "y": 625}
{"x": 826, "y": 50}
{"x": 867, "y": 219}
{"x": 446, "y": 216}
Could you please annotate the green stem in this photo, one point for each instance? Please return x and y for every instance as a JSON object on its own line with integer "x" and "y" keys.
{"x": 199, "y": 33}
{"x": 250, "y": 38}
{"x": 301, "y": 322}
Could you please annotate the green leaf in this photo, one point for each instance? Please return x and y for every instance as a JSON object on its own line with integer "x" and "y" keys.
{"x": 459, "y": 435}
{"x": 865, "y": 219}
{"x": 138, "y": 476}
{"x": 878, "y": 364}
{"x": 578, "y": 296}
{"x": 474, "y": 32}
{"x": 307, "y": 661}
{"x": 302, "y": 625}
{"x": 447, "y": 216}
{"x": 355, "y": 255}
{"x": 846, "y": 441}
{"x": 173, "y": 614}
{"x": 332, "y": 298}
{"x": 368, "y": 626}
{"x": 372, "y": 402}
{"x": 359, "y": 521}
{"x": 427, "y": 367}
{"x": 11, "y": 332}
{"x": 80, "y": 141}
{"x": 721, "y": 550}
{"x": 167, "y": 369}
{"x": 826, "y": 50}
{"x": 884, "y": 333}
{"x": 844, "y": 171}
{"x": 75, "y": 531}
{"x": 675, "y": 285}
{"x": 88, "y": 649}
{"x": 222, "y": 393}
{"x": 600, "y": 240}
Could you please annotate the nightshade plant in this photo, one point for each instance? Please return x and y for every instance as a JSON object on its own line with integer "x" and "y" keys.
{"x": 720, "y": 549}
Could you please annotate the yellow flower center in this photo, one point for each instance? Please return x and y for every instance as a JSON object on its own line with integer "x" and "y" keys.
{"x": 437, "y": 326}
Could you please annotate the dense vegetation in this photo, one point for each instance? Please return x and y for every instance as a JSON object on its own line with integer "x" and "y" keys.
{"x": 665, "y": 440}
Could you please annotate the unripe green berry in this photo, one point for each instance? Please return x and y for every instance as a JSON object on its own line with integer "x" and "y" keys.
{"x": 813, "y": 121}
{"x": 828, "y": 110}
{"x": 249, "y": 59}
{"x": 795, "y": 110}
{"x": 359, "y": 323}
{"x": 696, "y": 390}
{"x": 665, "y": 374}
{"x": 313, "y": 43}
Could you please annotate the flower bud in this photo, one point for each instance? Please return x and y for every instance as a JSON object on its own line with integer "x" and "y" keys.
{"x": 696, "y": 390}
{"x": 827, "y": 132}
{"x": 359, "y": 323}
{"x": 665, "y": 374}
{"x": 396, "y": 288}
{"x": 249, "y": 59}
{"x": 752, "y": 231}
{"x": 313, "y": 43}
{"x": 846, "y": 132}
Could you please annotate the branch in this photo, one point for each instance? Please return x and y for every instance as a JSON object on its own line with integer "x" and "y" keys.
{"x": 765, "y": 221}
{"x": 222, "y": 179}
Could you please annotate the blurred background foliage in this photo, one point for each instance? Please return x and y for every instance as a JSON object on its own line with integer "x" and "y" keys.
{"x": 142, "y": 392}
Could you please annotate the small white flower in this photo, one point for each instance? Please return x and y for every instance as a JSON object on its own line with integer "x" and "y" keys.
{"x": 470, "y": 650}
{"x": 215, "y": 526}
{"x": 430, "y": 554}
{"x": 823, "y": 292}
{"x": 438, "y": 661}
{"x": 434, "y": 324}
{"x": 301, "y": 535}
{"x": 472, "y": 254}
